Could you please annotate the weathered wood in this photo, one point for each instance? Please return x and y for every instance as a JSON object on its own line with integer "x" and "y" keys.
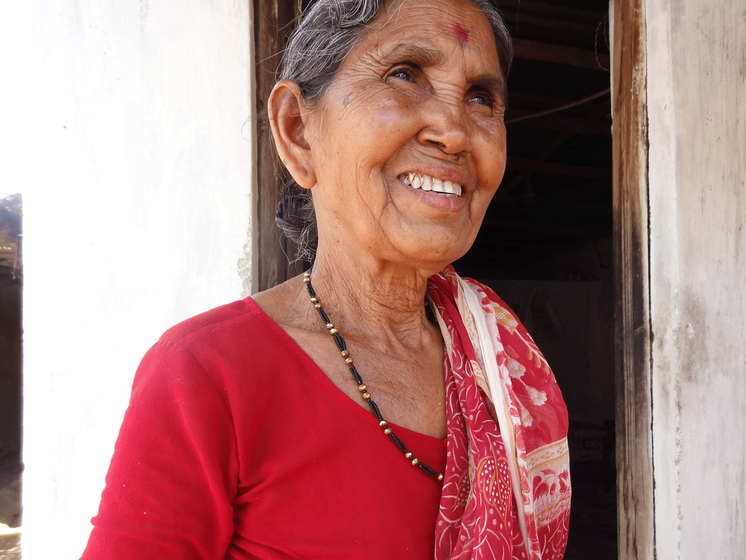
{"x": 696, "y": 69}
{"x": 272, "y": 20}
{"x": 571, "y": 56}
{"x": 636, "y": 535}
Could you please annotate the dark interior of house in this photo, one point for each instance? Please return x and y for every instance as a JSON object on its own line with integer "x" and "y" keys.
{"x": 545, "y": 245}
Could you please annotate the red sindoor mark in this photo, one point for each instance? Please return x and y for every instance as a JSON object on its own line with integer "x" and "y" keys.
{"x": 461, "y": 33}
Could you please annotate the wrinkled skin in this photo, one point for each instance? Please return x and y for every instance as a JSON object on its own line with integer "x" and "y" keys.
{"x": 421, "y": 93}
{"x": 406, "y": 99}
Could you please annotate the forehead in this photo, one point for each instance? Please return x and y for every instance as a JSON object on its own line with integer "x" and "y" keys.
{"x": 437, "y": 9}
{"x": 450, "y": 26}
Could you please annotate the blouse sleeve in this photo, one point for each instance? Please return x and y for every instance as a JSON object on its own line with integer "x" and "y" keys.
{"x": 172, "y": 479}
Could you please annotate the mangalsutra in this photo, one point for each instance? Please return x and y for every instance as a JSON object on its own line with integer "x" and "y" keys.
{"x": 364, "y": 393}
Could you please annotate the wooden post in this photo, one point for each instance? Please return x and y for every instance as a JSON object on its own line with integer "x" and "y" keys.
{"x": 632, "y": 292}
{"x": 272, "y": 24}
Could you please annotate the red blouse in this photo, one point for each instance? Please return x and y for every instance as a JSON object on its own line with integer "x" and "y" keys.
{"x": 236, "y": 445}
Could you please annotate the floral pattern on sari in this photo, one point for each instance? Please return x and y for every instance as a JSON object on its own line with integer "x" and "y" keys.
{"x": 506, "y": 492}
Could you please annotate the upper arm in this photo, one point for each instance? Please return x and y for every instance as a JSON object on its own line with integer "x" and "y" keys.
{"x": 172, "y": 479}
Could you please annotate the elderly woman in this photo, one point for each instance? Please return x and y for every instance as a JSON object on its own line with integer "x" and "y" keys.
{"x": 378, "y": 406}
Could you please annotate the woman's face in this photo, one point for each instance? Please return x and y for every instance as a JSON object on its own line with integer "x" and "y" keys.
{"x": 408, "y": 142}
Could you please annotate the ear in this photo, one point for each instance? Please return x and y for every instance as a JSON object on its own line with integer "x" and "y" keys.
{"x": 286, "y": 117}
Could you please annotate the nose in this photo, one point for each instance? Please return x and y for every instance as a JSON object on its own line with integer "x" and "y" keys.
{"x": 446, "y": 126}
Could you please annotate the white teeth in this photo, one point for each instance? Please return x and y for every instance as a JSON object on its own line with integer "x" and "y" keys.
{"x": 428, "y": 183}
{"x": 448, "y": 187}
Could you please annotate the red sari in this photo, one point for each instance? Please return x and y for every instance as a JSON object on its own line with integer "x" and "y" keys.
{"x": 506, "y": 489}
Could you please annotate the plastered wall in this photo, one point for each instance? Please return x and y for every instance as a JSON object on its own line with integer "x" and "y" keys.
{"x": 697, "y": 178}
{"x": 126, "y": 129}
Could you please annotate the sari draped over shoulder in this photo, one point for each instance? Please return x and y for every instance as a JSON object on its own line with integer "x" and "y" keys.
{"x": 506, "y": 488}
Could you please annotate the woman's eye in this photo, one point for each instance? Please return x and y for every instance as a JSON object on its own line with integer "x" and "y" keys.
{"x": 482, "y": 98}
{"x": 403, "y": 74}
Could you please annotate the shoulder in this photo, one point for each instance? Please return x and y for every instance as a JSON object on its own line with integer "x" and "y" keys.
{"x": 490, "y": 294}
{"x": 449, "y": 281}
{"x": 219, "y": 344}
{"x": 238, "y": 314}
{"x": 232, "y": 351}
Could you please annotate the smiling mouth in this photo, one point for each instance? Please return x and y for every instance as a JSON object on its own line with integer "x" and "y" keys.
{"x": 428, "y": 183}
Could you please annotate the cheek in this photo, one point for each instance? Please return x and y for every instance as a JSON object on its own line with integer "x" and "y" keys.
{"x": 375, "y": 133}
{"x": 500, "y": 159}
{"x": 493, "y": 132}
{"x": 492, "y": 161}
{"x": 392, "y": 115}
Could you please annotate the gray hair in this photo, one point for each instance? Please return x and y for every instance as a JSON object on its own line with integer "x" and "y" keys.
{"x": 327, "y": 31}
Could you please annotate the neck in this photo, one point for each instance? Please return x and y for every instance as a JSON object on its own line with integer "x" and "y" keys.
{"x": 367, "y": 295}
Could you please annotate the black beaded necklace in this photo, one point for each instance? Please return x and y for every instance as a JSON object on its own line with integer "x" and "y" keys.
{"x": 361, "y": 386}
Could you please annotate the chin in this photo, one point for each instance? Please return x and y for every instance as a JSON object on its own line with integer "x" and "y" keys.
{"x": 424, "y": 248}
{"x": 435, "y": 258}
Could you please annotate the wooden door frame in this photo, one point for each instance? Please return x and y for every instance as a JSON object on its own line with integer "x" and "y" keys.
{"x": 272, "y": 24}
{"x": 633, "y": 333}
{"x": 636, "y": 534}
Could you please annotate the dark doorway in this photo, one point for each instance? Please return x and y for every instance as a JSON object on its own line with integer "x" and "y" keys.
{"x": 546, "y": 243}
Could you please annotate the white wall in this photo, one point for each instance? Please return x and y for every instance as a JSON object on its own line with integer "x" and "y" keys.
{"x": 697, "y": 132}
{"x": 123, "y": 126}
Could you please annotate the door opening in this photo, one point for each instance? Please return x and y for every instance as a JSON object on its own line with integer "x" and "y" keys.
{"x": 546, "y": 242}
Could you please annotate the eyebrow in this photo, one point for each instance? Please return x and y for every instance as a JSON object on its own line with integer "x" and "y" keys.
{"x": 414, "y": 52}
{"x": 424, "y": 55}
{"x": 491, "y": 82}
